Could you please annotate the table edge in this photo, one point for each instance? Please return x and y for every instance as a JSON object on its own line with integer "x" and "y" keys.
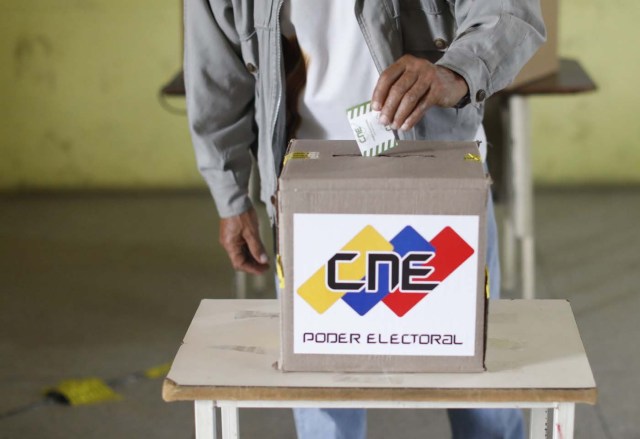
{"x": 172, "y": 391}
{"x": 175, "y": 86}
{"x": 538, "y": 87}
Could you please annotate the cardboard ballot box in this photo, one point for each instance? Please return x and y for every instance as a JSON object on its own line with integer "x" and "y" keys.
{"x": 382, "y": 259}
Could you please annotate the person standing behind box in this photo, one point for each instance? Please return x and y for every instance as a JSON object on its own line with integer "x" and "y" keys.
{"x": 258, "y": 73}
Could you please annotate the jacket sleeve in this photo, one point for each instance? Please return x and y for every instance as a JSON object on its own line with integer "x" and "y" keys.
{"x": 220, "y": 102}
{"x": 494, "y": 39}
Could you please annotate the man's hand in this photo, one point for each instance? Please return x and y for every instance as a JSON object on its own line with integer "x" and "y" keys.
{"x": 240, "y": 237}
{"x": 410, "y": 86}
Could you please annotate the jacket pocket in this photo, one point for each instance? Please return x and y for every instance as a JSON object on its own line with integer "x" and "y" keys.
{"x": 426, "y": 25}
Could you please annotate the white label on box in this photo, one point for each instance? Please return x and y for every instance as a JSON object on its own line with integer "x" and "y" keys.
{"x": 385, "y": 284}
{"x": 373, "y": 138}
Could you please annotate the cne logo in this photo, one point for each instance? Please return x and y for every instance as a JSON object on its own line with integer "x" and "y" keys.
{"x": 399, "y": 272}
{"x": 404, "y": 272}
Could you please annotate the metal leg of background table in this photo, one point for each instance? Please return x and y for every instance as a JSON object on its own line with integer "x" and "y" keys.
{"x": 538, "y": 424}
{"x": 230, "y": 426}
{"x": 527, "y": 245}
{"x": 509, "y": 254}
{"x": 241, "y": 284}
{"x": 522, "y": 190}
{"x": 205, "y": 420}
{"x": 564, "y": 420}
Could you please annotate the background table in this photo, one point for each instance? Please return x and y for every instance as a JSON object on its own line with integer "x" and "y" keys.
{"x": 518, "y": 244}
{"x": 535, "y": 359}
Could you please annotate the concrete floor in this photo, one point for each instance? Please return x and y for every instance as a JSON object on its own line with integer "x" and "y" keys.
{"x": 106, "y": 285}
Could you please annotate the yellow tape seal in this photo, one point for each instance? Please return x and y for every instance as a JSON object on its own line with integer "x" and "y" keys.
{"x": 486, "y": 283}
{"x": 158, "y": 371}
{"x": 85, "y": 391}
{"x": 472, "y": 157}
{"x": 300, "y": 155}
{"x": 280, "y": 272}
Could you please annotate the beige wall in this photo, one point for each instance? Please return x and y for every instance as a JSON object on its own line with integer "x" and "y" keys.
{"x": 593, "y": 138}
{"x": 79, "y": 82}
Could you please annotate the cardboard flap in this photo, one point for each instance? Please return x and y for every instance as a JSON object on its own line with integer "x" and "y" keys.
{"x": 331, "y": 165}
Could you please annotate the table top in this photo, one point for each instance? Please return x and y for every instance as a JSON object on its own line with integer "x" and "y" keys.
{"x": 175, "y": 86}
{"x": 570, "y": 78}
{"x": 534, "y": 353}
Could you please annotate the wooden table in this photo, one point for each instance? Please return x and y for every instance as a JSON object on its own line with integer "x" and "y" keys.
{"x": 519, "y": 237}
{"x": 535, "y": 360}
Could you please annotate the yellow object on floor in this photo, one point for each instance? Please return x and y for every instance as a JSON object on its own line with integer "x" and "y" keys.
{"x": 158, "y": 371}
{"x": 84, "y": 391}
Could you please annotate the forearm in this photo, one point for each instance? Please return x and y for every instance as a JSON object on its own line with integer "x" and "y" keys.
{"x": 494, "y": 39}
{"x": 219, "y": 93}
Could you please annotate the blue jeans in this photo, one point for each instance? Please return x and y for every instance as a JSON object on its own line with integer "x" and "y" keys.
{"x": 317, "y": 423}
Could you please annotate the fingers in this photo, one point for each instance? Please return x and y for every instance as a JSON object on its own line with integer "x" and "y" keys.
{"x": 254, "y": 244}
{"x": 248, "y": 264}
{"x": 240, "y": 238}
{"x": 404, "y": 93}
{"x": 400, "y": 89}
{"x": 409, "y": 87}
{"x": 384, "y": 84}
{"x": 241, "y": 260}
{"x": 414, "y": 102}
{"x": 426, "y": 102}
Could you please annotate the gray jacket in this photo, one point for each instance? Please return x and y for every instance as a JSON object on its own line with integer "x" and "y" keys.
{"x": 235, "y": 83}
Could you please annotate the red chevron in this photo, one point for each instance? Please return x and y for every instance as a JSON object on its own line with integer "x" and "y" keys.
{"x": 451, "y": 252}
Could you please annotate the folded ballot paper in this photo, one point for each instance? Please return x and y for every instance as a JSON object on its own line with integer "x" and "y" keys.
{"x": 373, "y": 138}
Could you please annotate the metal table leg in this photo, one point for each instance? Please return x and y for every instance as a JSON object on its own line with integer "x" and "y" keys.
{"x": 522, "y": 192}
{"x": 230, "y": 426}
{"x": 538, "y": 424}
{"x": 564, "y": 420}
{"x": 205, "y": 414}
